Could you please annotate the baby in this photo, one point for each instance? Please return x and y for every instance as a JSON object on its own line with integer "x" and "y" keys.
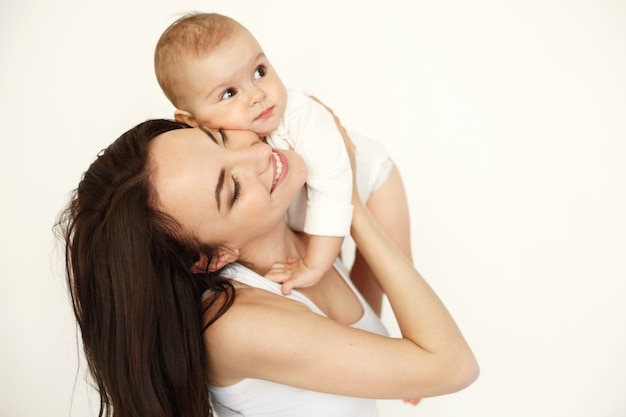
{"x": 215, "y": 73}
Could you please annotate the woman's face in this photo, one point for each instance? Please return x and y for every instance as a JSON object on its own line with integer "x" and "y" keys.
{"x": 226, "y": 188}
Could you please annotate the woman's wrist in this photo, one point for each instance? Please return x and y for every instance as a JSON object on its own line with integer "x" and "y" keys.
{"x": 364, "y": 226}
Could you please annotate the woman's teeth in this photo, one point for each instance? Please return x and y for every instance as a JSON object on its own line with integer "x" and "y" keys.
{"x": 279, "y": 168}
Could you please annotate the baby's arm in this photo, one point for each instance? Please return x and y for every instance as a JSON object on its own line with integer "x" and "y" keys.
{"x": 311, "y": 131}
{"x": 320, "y": 255}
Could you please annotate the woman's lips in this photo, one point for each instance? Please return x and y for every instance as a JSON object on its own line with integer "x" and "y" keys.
{"x": 281, "y": 167}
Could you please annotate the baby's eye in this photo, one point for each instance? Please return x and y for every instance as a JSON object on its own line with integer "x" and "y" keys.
{"x": 228, "y": 94}
{"x": 260, "y": 72}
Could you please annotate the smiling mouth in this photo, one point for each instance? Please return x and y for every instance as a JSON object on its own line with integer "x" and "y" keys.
{"x": 279, "y": 167}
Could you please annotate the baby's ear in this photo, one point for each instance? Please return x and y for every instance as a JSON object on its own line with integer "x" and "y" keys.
{"x": 182, "y": 116}
{"x": 224, "y": 257}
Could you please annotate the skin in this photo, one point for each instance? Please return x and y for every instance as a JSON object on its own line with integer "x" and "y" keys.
{"x": 254, "y": 194}
{"x": 431, "y": 358}
{"x": 236, "y": 87}
{"x": 233, "y": 87}
{"x": 388, "y": 204}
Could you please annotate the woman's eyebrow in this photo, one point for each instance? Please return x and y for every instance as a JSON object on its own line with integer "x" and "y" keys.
{"x": 209, "y": 133}
{"x": 220, "y": 181}
{"x": 219, "y": 187}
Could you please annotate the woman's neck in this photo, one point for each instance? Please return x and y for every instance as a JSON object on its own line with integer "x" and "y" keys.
{"x": 275, "y": 246}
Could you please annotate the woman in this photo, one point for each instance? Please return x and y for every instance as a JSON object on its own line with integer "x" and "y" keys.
{"x": 165, "y": 202}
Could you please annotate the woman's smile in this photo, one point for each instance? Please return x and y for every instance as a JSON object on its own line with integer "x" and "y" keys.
{"x": 228, "y": 175}
{"x": 281, "y": 168}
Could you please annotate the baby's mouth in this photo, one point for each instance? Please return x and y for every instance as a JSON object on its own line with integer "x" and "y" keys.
{"x": 265, "y": 113}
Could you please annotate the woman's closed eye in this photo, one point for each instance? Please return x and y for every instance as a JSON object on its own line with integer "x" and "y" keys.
{"x": 236, "y": 191}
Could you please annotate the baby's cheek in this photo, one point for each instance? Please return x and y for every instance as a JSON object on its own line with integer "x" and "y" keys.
{"x": 207, "y": 121}
{"x": 224, "y": 119}
{"x": 235, "y": 121}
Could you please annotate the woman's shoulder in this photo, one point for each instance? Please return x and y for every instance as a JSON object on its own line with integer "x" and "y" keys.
{"x": 252, "y": 308}
{"x": 246, "y": 333}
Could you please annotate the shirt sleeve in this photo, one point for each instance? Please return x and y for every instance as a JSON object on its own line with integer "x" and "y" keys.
{"x": 311, "y": 131}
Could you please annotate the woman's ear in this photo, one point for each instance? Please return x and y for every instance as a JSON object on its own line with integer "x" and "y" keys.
{"x": 182, "y": 116}
{"x": 200, "y": 266}
{"x": 223, "y": 257}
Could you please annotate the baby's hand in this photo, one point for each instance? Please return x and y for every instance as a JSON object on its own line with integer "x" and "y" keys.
{"x": 293, "y": 274}
{"x": 412, "y": 402}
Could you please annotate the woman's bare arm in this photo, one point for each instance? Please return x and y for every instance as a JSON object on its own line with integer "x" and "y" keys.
{"x": 388, "y": 204}
{"x": 269, "y": 337}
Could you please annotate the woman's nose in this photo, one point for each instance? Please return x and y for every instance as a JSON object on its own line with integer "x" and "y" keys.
{"x": 257, "y": 156}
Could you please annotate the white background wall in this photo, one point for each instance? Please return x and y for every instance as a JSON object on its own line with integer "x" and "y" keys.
{"x": 506, "y": 118}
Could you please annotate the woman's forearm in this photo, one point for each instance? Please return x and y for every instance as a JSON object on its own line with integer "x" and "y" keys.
{"x": 424, "y": 321}
{"x": 422, "y": 317}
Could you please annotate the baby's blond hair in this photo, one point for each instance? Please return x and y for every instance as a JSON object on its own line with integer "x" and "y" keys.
{"x": 194, "y": 36}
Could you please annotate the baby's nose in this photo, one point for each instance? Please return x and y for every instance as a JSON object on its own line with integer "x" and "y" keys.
{"x": 256, "y": 95}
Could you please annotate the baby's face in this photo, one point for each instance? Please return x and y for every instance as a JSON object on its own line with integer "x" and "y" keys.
{"x": 235, "y": 87}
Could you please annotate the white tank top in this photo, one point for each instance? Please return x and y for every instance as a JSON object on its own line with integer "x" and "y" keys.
{"x": 254, "y": 397}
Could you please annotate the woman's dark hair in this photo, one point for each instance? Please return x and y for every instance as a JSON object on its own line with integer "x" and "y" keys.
{"x": 138, "y": 305}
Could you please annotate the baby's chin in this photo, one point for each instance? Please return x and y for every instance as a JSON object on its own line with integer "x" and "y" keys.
{"x": 266, "y": 132}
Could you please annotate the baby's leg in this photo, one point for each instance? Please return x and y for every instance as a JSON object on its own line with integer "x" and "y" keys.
{"x": 388, "y": 205}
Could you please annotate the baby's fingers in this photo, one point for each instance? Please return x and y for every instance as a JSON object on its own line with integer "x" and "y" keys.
{"x": 283, "y": 272}
{"x": 289, "y": 285}
{"x": 282, "y": 276}
{"x": 279, "y": 272}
